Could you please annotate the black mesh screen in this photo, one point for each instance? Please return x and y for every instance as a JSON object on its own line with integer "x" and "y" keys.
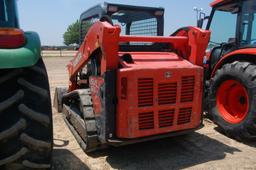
{"x": 144, "y": 27}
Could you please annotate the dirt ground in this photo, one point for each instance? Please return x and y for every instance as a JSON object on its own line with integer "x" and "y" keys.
{"x": 204, "y": 149}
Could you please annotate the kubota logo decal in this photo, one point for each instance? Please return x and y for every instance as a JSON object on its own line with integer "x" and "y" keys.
{"x": 168, "y": 74}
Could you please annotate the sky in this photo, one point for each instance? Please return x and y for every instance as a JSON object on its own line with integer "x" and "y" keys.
{"x": 50, "y": 18}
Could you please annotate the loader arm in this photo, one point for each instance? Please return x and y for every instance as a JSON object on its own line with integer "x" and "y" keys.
{"x": 106, "y": 38}
{"x": 101, "y": 36}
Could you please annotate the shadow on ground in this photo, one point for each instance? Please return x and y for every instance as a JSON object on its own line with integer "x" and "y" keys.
{"x": 173, "y": 153}
{"x": 65, "y": 160}
{"x": 251, "y": 143}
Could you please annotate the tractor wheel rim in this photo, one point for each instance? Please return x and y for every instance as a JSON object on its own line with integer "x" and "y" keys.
{"x": 232, "y": 101}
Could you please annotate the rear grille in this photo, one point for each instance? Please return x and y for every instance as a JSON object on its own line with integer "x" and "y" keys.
{"x": 184, "y": 115}
{"x": 146, "y": 120}
{"x": 167, "y": 93}
{"x": 166, "y": 118}
{"x": 187, "y": 89}
{"x": 145, "y": 92}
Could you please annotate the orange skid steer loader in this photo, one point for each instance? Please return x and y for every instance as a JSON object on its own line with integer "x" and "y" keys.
{"x": 129, "y": 83}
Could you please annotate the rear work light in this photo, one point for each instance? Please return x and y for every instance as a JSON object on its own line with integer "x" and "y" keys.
{"x": 112, "y": 8}
{"x": 159, "y": 13}
{"x": 11, "y": 38}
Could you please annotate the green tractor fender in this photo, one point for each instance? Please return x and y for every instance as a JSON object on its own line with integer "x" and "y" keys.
{"x": 25, "y": 56}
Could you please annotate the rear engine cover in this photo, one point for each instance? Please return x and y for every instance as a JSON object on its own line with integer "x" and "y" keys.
{"x": 158, "y": 93}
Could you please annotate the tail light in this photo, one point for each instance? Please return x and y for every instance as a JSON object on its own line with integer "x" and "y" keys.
{"x": 123, "y": 88}
{"x": 11, "y": 38}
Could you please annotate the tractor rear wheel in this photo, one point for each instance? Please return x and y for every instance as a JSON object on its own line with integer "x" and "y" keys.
{"x": 233, "y": 98}
{"x": 25, "y": 118}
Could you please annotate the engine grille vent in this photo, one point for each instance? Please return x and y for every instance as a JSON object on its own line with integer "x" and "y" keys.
{"x": 167, "y": 93}
{"x": 146, "y": 120}
{"x": 166, "y": 118}
{"x": 145, "y": 92}
{"x": 187, "y": 89}
{"x": 184, "y": 115}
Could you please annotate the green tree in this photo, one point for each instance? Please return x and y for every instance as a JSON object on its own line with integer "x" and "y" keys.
{"x": 71, "y": 36}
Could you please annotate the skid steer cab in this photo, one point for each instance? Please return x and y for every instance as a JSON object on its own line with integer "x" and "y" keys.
{"x": 130, "y": 84}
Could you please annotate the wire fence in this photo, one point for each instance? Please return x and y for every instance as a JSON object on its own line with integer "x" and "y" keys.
{"x": 58, "y": 53}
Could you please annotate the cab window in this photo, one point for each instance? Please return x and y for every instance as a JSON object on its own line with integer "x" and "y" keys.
{"x": 223, "y": 28}
{"x": 248, "y": 26}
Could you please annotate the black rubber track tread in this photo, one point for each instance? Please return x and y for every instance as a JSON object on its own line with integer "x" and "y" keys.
{"x": 26, "y": 134}
{"x": 86, "y": 106}
{"x": 245, "y": 72}
{"x": 78, "y": 124}
{"x": 88, "y": 112}
{"x": 11, "y": 101}
{"x": 58, "y": 96}
{"x": 91, "y": 143}
{"x": 92, "y": 136}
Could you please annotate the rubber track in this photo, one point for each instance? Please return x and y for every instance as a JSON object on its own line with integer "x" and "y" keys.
{"x": 92, "y": 139}
{"x": 23, "y": 151}
{"x": 39, "y": 117}
{"x": 35, "y": 144}
{"x": 40, "y": 91}
{"x": 14, "y": 130}
{"x": 92, "y": 143}
{"x": 11, "y": 101}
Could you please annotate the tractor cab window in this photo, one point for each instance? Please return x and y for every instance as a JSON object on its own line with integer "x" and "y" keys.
{"x": 136, "y": 22}
{"x": 248, "y": 25}
{"x": 223, "y": 28}
{"x": 8, "y": 16}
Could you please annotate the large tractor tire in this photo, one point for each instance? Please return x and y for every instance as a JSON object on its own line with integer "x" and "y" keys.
{"x": 25, "y": 118}
{"x": 233, "y": 98}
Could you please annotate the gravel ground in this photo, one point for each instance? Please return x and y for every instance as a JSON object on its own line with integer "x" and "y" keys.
{"x": 204, "y": 149}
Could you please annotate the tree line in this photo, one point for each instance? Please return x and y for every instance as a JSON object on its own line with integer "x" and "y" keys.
{"x": 72, "y": 34}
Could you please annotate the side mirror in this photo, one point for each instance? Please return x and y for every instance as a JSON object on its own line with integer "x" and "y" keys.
{"x": 201, "y": 19}
{"x": 200, "y": 23}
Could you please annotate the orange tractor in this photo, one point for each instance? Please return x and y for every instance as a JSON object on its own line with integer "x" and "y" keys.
{"x": 129, "y": 83}
{"x": 230, "y": 67}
